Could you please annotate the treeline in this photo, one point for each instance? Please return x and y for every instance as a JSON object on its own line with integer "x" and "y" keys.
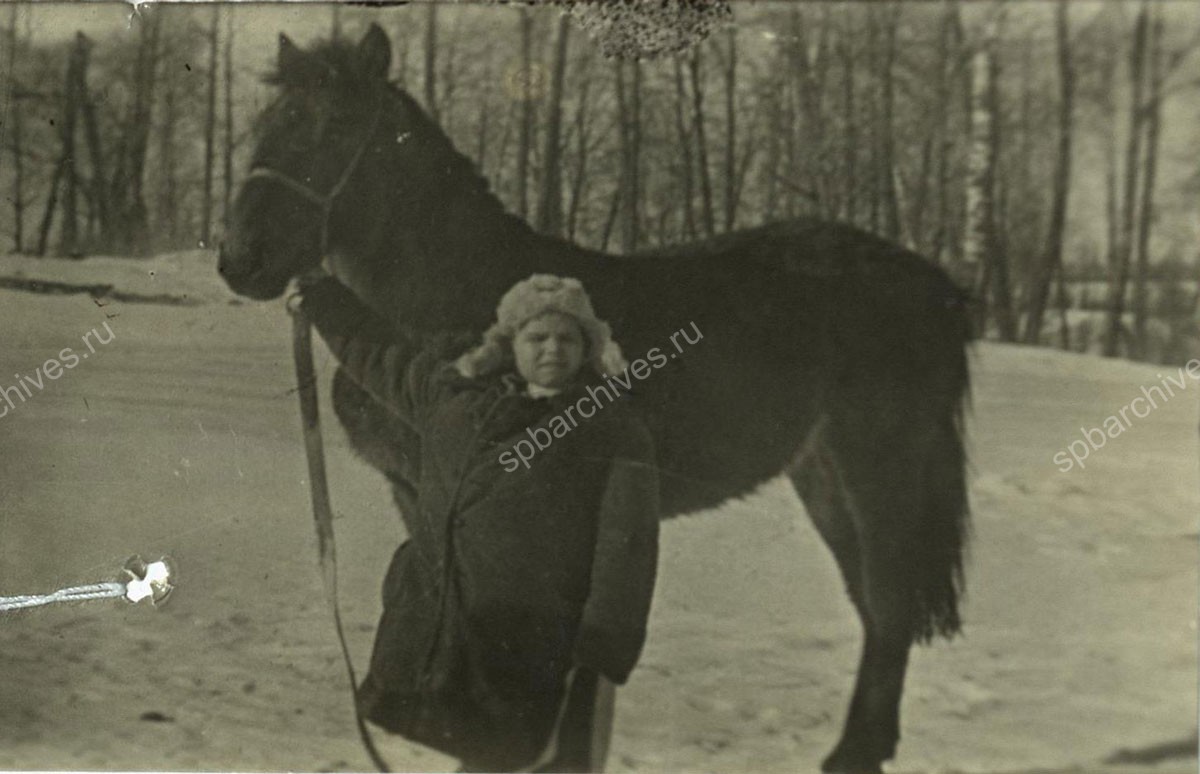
{"x": 1018, "y": 145}
{"x": 117, "y": 146}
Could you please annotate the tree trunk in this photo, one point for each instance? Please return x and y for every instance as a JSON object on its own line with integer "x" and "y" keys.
{"x": 730, "y": 129}
{"x": 1107, "y": 68}
{"x": 431, "y": 104}
{"x": 448, "y": 78}
{"x": 1153, "y": 118}
{"x": 687, "y": 204}
{"x": 498, "y": 180}
{"x": 99, "y": 187}
{"x": 582, "y": 135}
{"x": 885, "y": 129}
{"x": 550, "y": 208}
{"x": 483, "y": 122}
{"x": 48, "y": 213}
{"x": 629, "y": 105}
{"x": 980, "y": 248}
{"x": 77, "y": 63}
{"x": 1064, "y": 326}
{"x": 955, "y": 219}
{"x": 18, "y": 187}
{"x": 16, "y": 138}
{"x": 400, "y": 36}
{"x": 611, "y": 218}
{"x": 947, "y": 66}
{"x": 925, "y": 212}
{"x": 525, "y": 139}
{"x": 791, "y": 153}
{"x": 706, "y": 196}
{"x": 850, "y": 124}
{"x": 169, "y": 203}
{"x": 1052, "y": 252}
{"x": 1120, "y": 276}
{"x": 873, "y": 117}
{"x": 210, "y": 122}
{"x": 825, "y": 181}
{"x": 227, "y": 144}
{"x": 135, "y": 220}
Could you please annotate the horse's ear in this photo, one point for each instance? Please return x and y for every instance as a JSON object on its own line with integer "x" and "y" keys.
{"x": 375, "y": 52}
{"x": 290, "y": 57}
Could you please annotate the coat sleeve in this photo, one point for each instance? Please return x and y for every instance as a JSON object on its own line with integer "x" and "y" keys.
{"x": 613, "y": 629}
{"x": 389, "y": 364}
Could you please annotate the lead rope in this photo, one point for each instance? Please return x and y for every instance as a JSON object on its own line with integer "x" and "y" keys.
{"x": 306, "y": 382}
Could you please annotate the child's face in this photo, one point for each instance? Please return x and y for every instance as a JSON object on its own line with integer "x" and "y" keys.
{"x": 549, "y": 350}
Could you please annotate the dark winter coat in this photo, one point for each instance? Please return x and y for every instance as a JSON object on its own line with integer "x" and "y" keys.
{"x": 508, "y": 579}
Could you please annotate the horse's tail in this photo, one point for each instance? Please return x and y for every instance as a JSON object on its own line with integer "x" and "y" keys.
{"x": 945, "y": 518}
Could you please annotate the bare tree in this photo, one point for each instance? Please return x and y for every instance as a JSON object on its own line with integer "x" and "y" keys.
{"x": 1120, "y": 270}
{"x": 525, "y": 137}
{"x": 65, "y": 173}
{"x": 885, "y": 172}
{"x": 582, "y": 144}
{"x": 484, "y": 119}
{"x": 168, "y": 212}
{"x": 448, "y": 79}
{"x": 13, "y": 119}
{"x": 99, "y": 195}
{"x": 1153, "y": 120}
{"x": 980, "y": 243}
{"x": 629, "y": 107}
{"x": 550, "y": 214}
{"x": 730, "y": 127}
{"x": 849, "y": 121}
{"x": 1051, "y": 262}
{"x": 949, "y": 45}
{"x": 210, "y": 122}
{"x": 77, "y": 66}
{"x": 227, "y": 144}
{"x": 128, "y": 186}
{"x": 430, "y": 80}
{"x": 695, "y": 68}
{"x": 684, "y": 135}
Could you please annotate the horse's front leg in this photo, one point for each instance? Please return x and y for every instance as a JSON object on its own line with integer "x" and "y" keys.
{"x": 378, "y": 437}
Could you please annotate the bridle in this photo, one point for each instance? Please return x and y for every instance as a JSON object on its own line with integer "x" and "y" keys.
{"x": 323, "y": 202}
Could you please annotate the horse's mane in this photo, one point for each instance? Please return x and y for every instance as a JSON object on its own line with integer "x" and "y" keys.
{"x": 462, "y": 169}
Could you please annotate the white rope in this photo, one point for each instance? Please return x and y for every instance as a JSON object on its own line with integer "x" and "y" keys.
{"x": 73, "y": 594}
{"x": 151, "y": 581}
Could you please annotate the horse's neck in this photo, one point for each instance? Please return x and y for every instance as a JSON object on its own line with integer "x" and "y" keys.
{"x": 443, "y": 261}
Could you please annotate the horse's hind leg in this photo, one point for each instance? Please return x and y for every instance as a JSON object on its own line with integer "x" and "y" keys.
{"x": 867, "y": 566}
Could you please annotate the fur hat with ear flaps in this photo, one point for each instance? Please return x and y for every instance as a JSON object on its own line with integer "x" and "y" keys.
{"x": 529, "y": 298}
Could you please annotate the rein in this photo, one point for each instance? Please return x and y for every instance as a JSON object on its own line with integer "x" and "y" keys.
{"x": 306, "y": 384}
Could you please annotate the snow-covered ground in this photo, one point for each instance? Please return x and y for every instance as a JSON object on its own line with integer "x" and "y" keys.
{"x": 180, "y": 436}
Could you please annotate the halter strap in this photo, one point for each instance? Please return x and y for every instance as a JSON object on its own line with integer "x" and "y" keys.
{"x": 323, "y": 201}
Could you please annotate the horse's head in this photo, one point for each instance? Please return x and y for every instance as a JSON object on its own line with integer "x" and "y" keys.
{"x": 310, "y": 145}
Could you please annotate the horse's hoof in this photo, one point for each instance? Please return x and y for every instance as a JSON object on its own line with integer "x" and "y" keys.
{"x": 846, "y": 760}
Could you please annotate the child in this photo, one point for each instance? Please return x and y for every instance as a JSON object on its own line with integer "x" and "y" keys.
{"x": 523, "y": 590}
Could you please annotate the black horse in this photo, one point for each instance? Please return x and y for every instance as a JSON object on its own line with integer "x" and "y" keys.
{"x": 828, "y": 354}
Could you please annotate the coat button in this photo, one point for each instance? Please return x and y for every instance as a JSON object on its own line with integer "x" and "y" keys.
{"x": 459, "y": 521}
